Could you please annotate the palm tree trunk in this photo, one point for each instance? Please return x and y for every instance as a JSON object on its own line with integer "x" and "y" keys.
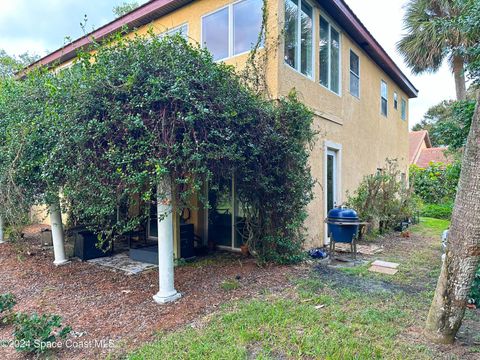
{"x": 463, "y": 249}
{"x": 458, "y": 66}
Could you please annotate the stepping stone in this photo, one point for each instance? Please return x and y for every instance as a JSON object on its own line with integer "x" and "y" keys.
{"x": 386, "y": 264}
{"x": 382, "y": 270}
{"x": 384, "y": 267}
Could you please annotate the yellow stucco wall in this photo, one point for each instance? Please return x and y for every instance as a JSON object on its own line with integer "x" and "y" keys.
{"x": 366, "y": 137}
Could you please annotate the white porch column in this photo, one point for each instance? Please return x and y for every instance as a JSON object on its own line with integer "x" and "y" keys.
{"x": 167, "y": 292}
{"x": 57, "y": 235}
{"x": 1, "y": 230}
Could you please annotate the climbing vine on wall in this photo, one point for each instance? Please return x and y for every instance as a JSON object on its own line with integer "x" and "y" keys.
{"x": 139, "y": 111}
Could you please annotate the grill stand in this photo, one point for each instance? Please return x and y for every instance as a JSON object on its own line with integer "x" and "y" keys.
{"x": 353, "y": 243}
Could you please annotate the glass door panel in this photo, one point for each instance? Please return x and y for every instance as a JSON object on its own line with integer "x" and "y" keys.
{"x": 331, "y": 180}
{"x": 239, "y": 223}
{"x": 220, "y": 213}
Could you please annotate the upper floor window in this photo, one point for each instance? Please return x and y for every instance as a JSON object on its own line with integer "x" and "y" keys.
{"x": 354, "y": 74}
{"x": 384, "y": 98}
{"x": 299, "y": 36}
{"x": 182, "y": 30}
{"x": 329, "y": 56}
{"x": 233, "y": 30}
{"x": 395, "y": 101}
{"x": 404, "y": 109}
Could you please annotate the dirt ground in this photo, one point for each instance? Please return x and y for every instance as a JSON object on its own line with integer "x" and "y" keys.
{"x": 101, "y": 304}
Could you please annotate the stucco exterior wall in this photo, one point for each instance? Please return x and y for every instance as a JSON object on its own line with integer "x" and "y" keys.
{"x": 365, "y": 136}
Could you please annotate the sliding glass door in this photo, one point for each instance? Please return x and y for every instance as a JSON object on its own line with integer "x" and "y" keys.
{"x": 225, "y": 217}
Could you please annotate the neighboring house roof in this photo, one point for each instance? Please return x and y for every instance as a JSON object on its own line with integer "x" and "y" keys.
{"x": 416, "y": 139}
{"x": 154, "y": 9}
{"x": 432, "y": 155}
{"x": 421, "y": 152}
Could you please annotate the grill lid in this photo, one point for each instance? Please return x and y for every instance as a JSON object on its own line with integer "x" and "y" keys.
{"x": 342, "y": 214}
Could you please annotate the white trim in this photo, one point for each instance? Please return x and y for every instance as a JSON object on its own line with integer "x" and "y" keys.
{"x": 331, "y": 146}
{"x": 229, "y": 248}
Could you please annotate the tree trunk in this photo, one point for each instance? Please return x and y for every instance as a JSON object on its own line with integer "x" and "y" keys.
{"x": 463, "y": 248}
{"x": 459, "y": 75}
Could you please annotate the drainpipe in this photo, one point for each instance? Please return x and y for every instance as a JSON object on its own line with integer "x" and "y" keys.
{"x": 167, "y": 292}
{"x": 58, "y": 236}
{"x": 1, "y": 230}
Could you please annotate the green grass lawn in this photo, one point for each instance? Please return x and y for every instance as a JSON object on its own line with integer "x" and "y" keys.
{"x": 322, "y": 316}
{"x": 431, "y": 227}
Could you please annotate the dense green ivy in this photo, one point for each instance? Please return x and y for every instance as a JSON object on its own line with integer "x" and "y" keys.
{"x": 138, "y": 112}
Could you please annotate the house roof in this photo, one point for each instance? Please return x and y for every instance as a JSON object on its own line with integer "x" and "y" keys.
{"x": 416, "y": 138}
{"x": 423, "y": 156}
{"x": 154, "y": 9}
{"x": 432, "y": 155}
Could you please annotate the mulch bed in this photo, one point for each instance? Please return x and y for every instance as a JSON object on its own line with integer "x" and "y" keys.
{"x": 101, "y": 304}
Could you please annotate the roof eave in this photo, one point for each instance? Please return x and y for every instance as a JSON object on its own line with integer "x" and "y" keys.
{"x": 156, "y": 8}
{"x": 347, "y": 19}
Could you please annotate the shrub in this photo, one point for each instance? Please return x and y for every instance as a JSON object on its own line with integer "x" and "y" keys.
{"x": 110, "y": 106}
{"x": 36, "y": 333}
{"x": 7, "y": 302}
{"x": 437, "y": 211}
{"x": 383, "y": 199}
{"x": 475, "y": 291}
{"x": 436, "y": 184}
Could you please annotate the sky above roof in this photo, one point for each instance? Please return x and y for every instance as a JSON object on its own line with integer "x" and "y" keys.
{"x": 42, "y": 26}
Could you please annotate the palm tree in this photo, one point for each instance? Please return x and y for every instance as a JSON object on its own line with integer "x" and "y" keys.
{"x": 463, "y": 249}
{"x": 429, "y": 39}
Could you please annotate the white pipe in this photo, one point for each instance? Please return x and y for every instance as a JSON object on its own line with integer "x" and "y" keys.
{"x": 57, "y": 235}
{"x": 167, "y": 292}
{"x": 1, "y": 230}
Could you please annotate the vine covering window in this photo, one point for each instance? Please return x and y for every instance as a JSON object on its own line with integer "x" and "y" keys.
{"x": 182, "y": 30}
{"x": 299, "y": 36}
{"x": 329, "y": 56}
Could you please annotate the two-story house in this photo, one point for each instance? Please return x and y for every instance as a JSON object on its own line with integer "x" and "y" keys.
{"x": 358, "y": 94}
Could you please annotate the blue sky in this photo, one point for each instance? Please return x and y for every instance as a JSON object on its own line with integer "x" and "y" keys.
{"x": 41, "y": 26}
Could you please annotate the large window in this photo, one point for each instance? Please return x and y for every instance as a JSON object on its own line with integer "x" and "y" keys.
{"x": 354, "y": 74}
{"x": 247, "y": 24}
{"x": 384, "y": 98}
{"x": 299, "y": 36}
{"x": 404, "y": 109}
{"x": 329, "y": 56}
{"x": 232, "y": 30}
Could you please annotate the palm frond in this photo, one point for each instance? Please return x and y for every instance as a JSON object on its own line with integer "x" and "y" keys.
{"x": 429, "y": 39}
